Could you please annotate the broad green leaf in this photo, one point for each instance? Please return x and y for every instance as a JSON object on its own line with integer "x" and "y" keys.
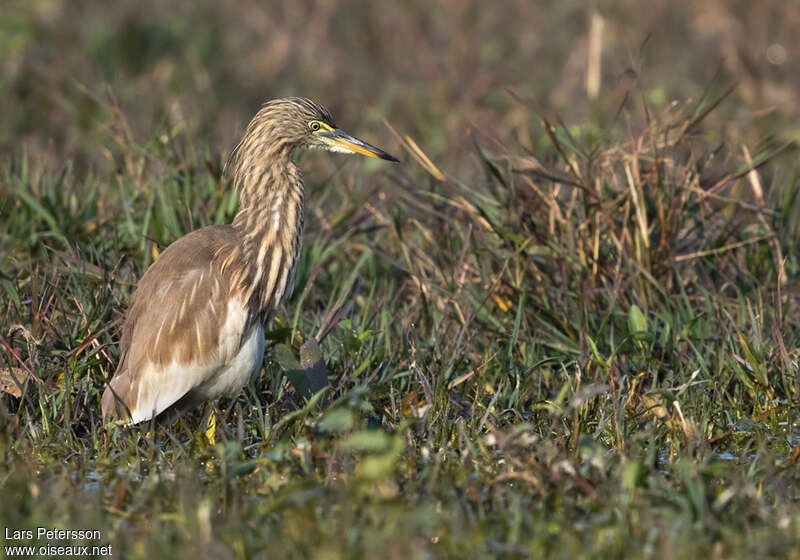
{"x": 336, "y": 420}
{"x": 637, "y": 322}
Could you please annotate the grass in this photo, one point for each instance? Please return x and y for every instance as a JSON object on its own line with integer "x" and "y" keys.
{"x": 565, "y": 340}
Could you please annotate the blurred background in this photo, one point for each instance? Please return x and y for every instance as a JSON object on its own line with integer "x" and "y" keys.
{"x": 434, "y": 70}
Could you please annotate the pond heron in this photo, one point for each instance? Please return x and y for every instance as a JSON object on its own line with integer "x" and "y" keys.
{"x": 194, "y": 330}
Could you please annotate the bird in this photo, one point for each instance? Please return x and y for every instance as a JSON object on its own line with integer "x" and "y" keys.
{"x": 194, "y": 328}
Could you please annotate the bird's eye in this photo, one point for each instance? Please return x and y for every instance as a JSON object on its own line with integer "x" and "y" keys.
{"x": 314, "y": 125}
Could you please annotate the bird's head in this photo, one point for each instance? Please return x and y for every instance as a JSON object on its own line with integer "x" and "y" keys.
{"x": 297, "y": 122}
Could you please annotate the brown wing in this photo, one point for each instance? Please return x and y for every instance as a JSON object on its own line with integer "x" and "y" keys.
{"x": 173, "y": 339}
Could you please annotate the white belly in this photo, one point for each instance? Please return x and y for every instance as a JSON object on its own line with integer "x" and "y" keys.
{"x": 234, "y": 375}
{"x": 222, "y": 373}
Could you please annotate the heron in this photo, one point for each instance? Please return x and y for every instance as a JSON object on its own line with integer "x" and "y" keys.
{"x": 194, "y": 329}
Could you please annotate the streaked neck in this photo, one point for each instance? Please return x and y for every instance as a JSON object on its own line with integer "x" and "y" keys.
{"x": 269, "y": 224}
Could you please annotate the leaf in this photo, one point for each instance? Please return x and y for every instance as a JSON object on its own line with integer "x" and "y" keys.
{"x": 207, "y": 437}
{"x": 502, "y": 302}
{"x": 12, "y": 380}
{"x": 370, "y": 441}
{"x": 285, "y": 357}
{"x": 305, "y": 380}
{"x": 211, "y": 430}
{"x": 377, "y": 466}
{"x": 637, "y": 322}
{"x": 241, "y": 469}
{"x": 34, "y": 205}
{"x": 632, "y": 474}
{"x": 383, "y": 450}
{"x": 11, "y": 291}
{"x": 423, "y": 159}
{"x": 596, "y": 352}
{"x": 755, "y": 362}
{"x": 279, "y": 334}
{"x": 336, "y": 420}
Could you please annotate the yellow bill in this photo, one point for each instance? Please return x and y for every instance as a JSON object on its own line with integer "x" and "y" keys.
{"x": 339, "y": 141}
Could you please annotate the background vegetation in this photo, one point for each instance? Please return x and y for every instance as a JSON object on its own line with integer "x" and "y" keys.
{"x": 566, "y": 326}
